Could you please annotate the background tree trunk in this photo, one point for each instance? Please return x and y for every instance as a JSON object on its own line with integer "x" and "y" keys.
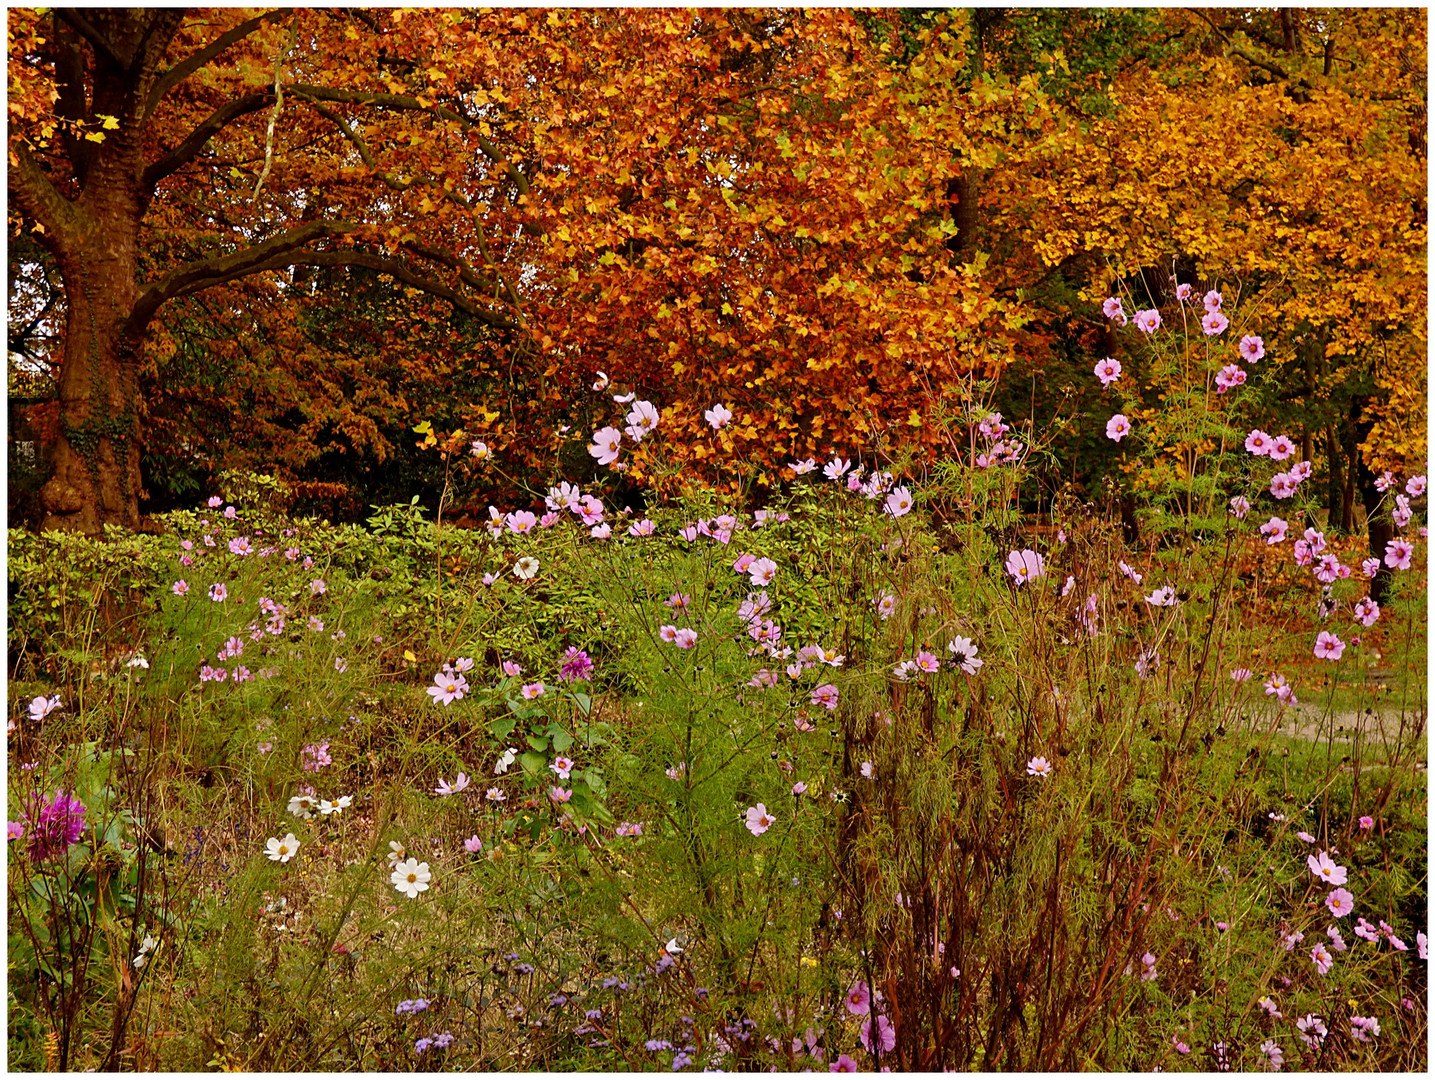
{"x": 96, "y": 456}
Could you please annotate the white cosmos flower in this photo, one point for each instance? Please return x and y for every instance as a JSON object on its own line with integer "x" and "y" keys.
{"x": 506, "y": 760}
{"x": 411, "y": 877}
{"x": 302, "y": 806}
{"x": 281, "y": 850}
{"x": 525, "y": 568}
{"x": 397, "y": 854}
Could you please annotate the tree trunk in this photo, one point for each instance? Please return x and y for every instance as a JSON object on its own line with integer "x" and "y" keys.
{"x": 1336, "y": 515}
{"x": 96, "y": 457}
{"x": 1380, "y": 532}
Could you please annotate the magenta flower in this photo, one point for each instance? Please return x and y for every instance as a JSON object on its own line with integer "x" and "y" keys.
{"x": 1370, "y": 567}
{"x": 218, "y": 593}
{"x": 1340, "y": 902}
{"x": 1322, "y": 958}
{"x": 1258, "y": 442}
{"x": 1214, "y": 322}
{"x": 577, "y": 667}
{"x": 1328, "y": 646}
{"x": 56, "y": 826}
{"x": 1281, "y": 448}
{"x": 559, "y": 795}
{"x": 1108, "y": 371}
{"x": 1148, "y": 321}
{"x": 1415, "y": 486}
{"x": 685, "y": 638}
{"x": 533, "y": 690}
{"x": 522, "y": 521}
{"x": 473, "y": 845}
{"x": 1367, "y": 822}
{"x": 1183, "y": 291}
{"x": 1110, "y": 307}
{"x": 826, "y": 696}
{"x": 858, "y": 1000}
{"x": 1212, "y": 301}
{"x": 1118, "y": 427}
{"x": 1025, "y": 565}
{"x": 759, "y": 820}
{"x": 14, "y": 830}
{"x": 843, "y": 1064}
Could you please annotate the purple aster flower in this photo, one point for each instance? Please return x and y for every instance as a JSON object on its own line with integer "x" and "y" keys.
{"x": 55, "y": 826}
{"x": 577, "y": 667}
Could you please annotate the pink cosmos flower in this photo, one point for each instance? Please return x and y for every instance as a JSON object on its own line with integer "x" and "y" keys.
{"x": 826, "y": 696}
{"x": 668, "y": 632}
{"x": 1163, "y": 597}
{"x": 886, "y": 606}
{"x": 1398, "y": 553}
{"x": 803, "y": 467}
{"x": 1275, "y": 530}
{"x": 601, "y": 531}
{"x": 1108, "y": 371}
{"x": 240, "y": 545}
{"x": 1025, "y": 565}
{"x": 605, "y": 445}
{"x": 1301, "y": 470}
{"x": 1240, "y": 675}
{"x": 1212, "y": 301}
{"x": 1148, "y": 967}
{"x": 1038, "y": 766}
{"x": 899, "y": 502}
{"x": 1214, "y": 323}
{"x": 642, "y": 419}
{"x": 886, "y": 1034}
{"x": 445, "y": 788}
{"x": 685, "y": 638}
{"x": 180, "y": 587}
{"x": 448, "y": 687}
{"x": 215, "y": 502}
{"x": 629, "y": 828}
{"x": 1415, "y": 486}
{"x": 219, "y": 593}
{"x": 1283, "y": 485}
{"x": 762, "y": 571}
{"x": 1281, "y": 448}
{"x": 533, "y": 690}
{"x": 1148, "y": 321}
{"x": 1240, "y": 507}
{"x": 1230, "y": 375}
{"x": 1370, "y": 567}
{"x": 927, "y": 662}
{"x": 835, "y": 468}
{"x": 1367, "y": 822}
{"x": 1340, "y": 902}
{"x": 742, "y": 562}
{"x": 641, "y": 528}
{"x": 1325, "y": 868}
{"x": 1258, "y": 442}
{"x": 1322, "y": 958}
{"x": 718, "y": 416}
{"x": 1110, "y": 307}
{"x": 1305, "y": 837}
{"x": 759, "y": 820}
{"x": 1252, "y": 348}
{"x": 473, "y": 845}
{"x": 558, "y": 794}
{"x": 522, "y": 521}
{"x": 859, "y": 999}
{"x": 1183, "y": 291}
{"x": 1118, "y": 427}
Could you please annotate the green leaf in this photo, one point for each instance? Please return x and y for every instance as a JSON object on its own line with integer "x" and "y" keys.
{"x": 561, "y": 739}
{"x": 538, "y": 742}
{"x": 584, "y": 703}
{"x": 532, "y": 763}
{"x": 503, "y": 728}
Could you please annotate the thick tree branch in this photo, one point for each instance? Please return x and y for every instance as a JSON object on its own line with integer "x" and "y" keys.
{"x": 38, "y": 198}
{"x": 207, "y": 272}
{"x": 402, "y": 274}
{"x": 188, "y": 66}
{"x": 82, "y": 26}
{"x": 404, "y": 102}
{"x": 221, "y": 118}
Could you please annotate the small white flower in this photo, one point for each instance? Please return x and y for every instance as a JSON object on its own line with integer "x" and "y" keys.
{"x": 672, "y": 948}
{"x": 337, "y": 806}
{"x": 397, "y": 854}
{"x": 281, "y": 850}
{"x": 525, "y": 568}
{"x": 411, "y": 877}
{"x": 139, "y": 662}
{"x": 508, "y": 758}
{"x": 302, "y": 806}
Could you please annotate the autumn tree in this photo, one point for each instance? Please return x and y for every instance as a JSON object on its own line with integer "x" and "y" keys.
{"x": 157, "y": 154}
